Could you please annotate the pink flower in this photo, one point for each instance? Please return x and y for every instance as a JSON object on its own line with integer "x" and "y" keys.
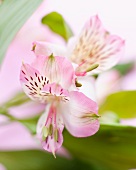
{"x": 50, "y": 80}
{"x": 94, "y": 49}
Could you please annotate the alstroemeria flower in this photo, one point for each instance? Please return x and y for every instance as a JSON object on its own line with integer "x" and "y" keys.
{"x": 49, "y": 80}
{"x": 94, "y": 49}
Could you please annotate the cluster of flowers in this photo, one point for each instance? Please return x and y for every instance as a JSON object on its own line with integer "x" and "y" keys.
{"x": 53, "y": 79}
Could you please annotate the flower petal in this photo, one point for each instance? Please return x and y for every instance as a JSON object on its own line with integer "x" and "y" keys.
{"x": 57, "y": 69}
{"x": 88, "y": 86}
{"x": 94, "y": 46}
{"x": 80, "y": 115}
{"x": 49, "y": 129}
{"x": 33, "y": 82}
{"x": 46, "y": 49}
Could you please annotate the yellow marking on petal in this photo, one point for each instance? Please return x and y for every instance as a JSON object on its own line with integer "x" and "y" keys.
{"x": 94, "y": 66}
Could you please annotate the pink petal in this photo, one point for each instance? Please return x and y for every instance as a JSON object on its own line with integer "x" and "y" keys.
{"x": 80, "y": 115}
{"x": 95, "y": 45}
{"x": 46, "y": 49}
{"x": 32, "y": 82}
{"x": 57, "y": 69}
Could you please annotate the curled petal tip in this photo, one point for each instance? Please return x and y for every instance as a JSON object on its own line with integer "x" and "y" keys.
{"x": 53, "y": 152}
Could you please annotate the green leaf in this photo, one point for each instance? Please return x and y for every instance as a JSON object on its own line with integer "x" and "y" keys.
{"x": 39, "y": 160}
{"x": 122, "y": 103}
{"x": 13, "y": 15}
{"x": 58, "y": 25}
{"x": 112, "y": 148}
{"x": 124, "y": 68}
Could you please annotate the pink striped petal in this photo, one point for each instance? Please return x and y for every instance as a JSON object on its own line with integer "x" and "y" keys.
{"x": 95, "y": 45}
{"x": 33, "y": 82}
{"x": 46, "y": 49}
{"x": 39, "y": 88}
{"x": 80, "y": 115}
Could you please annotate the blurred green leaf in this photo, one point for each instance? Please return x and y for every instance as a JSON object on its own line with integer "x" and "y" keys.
{"x": 124, "y": 68}
{"x": 122, "y": 103}
{"x": 39, "y": 160}
{"x": 18, "y": 99}
{"x": 112, "y": 148}
{"x": 13, "y": 15}
{"x": 58, "y": 25}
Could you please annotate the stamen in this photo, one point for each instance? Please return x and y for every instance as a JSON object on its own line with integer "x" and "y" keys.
{"x": 56, "y": 135}
{"x": 45, "y": 131}
{"x": 78, "y": 84}
{"x": 50, "y": 130}
{"x": 33, "y": 48}
{"x": 94, "y": 66}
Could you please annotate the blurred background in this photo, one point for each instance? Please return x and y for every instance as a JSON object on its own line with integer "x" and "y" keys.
{"x": 114, "y": 146}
